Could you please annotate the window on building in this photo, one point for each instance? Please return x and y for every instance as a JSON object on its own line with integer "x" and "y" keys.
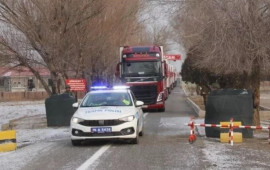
{"x": 31, "y": 84}
{"x": 2, "y": 82}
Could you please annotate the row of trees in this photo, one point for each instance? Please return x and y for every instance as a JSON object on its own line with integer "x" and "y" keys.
{"x": 227, "y": 40}
{"x": 71, "y": 39}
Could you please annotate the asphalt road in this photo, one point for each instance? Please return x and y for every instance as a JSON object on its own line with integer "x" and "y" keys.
{"x": 163, "y": 146}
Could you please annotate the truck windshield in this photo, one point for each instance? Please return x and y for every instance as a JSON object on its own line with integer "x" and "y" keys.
{"x": 142, "y": 69}
{"x": 151, "y": 54}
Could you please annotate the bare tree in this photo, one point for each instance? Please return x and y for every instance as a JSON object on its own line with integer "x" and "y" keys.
{"x": 232, "y": 37}
{"x": 67, "y": 36}
{"x": 49, "y": 28}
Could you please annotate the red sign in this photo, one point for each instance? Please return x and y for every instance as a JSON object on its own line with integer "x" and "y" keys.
{"x": 173, "y": 56}
{"x": 76, "y": 84}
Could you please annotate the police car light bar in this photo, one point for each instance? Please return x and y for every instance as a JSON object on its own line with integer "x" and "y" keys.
{"x": 120, "y": 87}
{"x": 98, "y": 87}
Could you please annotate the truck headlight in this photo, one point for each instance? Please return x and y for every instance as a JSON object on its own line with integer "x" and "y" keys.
{"x": 160, "y": 97}
{"x": 127, "y": 119}
{"x": 77, "y": 120}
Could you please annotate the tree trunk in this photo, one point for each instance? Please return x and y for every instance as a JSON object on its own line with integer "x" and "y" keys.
{"x": 37, "y": 75}
{"x": 204, "y": 93}
{"x": 256, "y": 113}
{"x": 54, "y": 78}
{"x": 58, "y": 85}
{"x": 35, "y": 72}
{"x": 255, "y": 86}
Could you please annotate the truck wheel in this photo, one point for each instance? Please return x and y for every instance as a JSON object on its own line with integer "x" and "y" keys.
{"x": 161, "y": 110}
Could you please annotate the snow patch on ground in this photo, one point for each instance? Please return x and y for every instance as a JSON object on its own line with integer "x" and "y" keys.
{"x": 15, "y": 110}
{"x": 14, "y": 161}
{"x": 27, "y": 136}
{"x": 218, "y": 154}
{"x": 176, "y": 126}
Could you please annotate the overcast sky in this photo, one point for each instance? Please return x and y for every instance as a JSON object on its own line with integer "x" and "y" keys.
{"x": 158, "y": 13}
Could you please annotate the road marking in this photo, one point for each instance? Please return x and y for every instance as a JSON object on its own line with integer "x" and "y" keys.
{"x": 178, "y": 92}
{"x": 92, "y": 159}
{"x": 166, "y": 124}
{"x": 144, "y": 115}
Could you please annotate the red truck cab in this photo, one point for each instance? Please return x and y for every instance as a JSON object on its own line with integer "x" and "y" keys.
{"x": 142, "y": 68}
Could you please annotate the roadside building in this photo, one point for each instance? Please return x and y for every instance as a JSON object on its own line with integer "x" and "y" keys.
{"x": 20, "y": 79}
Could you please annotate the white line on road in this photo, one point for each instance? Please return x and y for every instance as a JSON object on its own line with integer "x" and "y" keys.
{"x": 92, "y": 159}
{"x": 166, "y": 124}
{"x": 145, "y": 114}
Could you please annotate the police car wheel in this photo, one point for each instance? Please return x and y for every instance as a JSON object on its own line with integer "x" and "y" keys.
{"x": 141, "y": 132}
{"x": 76, "y": 142}
{"x": 136, "y": 139}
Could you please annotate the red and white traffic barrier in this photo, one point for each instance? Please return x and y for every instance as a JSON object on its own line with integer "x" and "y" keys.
{"x": 231, "y": 132}
{"x": 192, "y": 125}
{"x": 192, "y": 136}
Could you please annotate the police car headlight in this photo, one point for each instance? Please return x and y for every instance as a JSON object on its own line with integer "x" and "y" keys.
{"x": 77, "y": 120}
{"x": 127, "y": 119}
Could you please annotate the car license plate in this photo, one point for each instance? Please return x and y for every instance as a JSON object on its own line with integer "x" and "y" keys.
{"x": 144, "y": 106}
{"x": 101, "y": 130}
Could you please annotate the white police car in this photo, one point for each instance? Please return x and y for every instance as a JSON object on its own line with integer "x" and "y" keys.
{"x": 107, "y": 114}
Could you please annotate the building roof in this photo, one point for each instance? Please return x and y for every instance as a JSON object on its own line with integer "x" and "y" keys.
{"x": 21, "y": 72}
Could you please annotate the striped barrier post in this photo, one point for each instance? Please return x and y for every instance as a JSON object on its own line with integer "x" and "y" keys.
{"x": 231, "y": 126}
{"x": 8, "y": 140}
{"x": 231, "y": 132}
{"x": 192, "y": 136}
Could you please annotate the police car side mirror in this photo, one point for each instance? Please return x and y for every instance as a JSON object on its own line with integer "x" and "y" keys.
{"x": 139, "y": 103}
{"x": 75, "y": 105}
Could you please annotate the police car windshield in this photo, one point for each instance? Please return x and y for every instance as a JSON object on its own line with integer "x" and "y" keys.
{"x": 107, "y": 99}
